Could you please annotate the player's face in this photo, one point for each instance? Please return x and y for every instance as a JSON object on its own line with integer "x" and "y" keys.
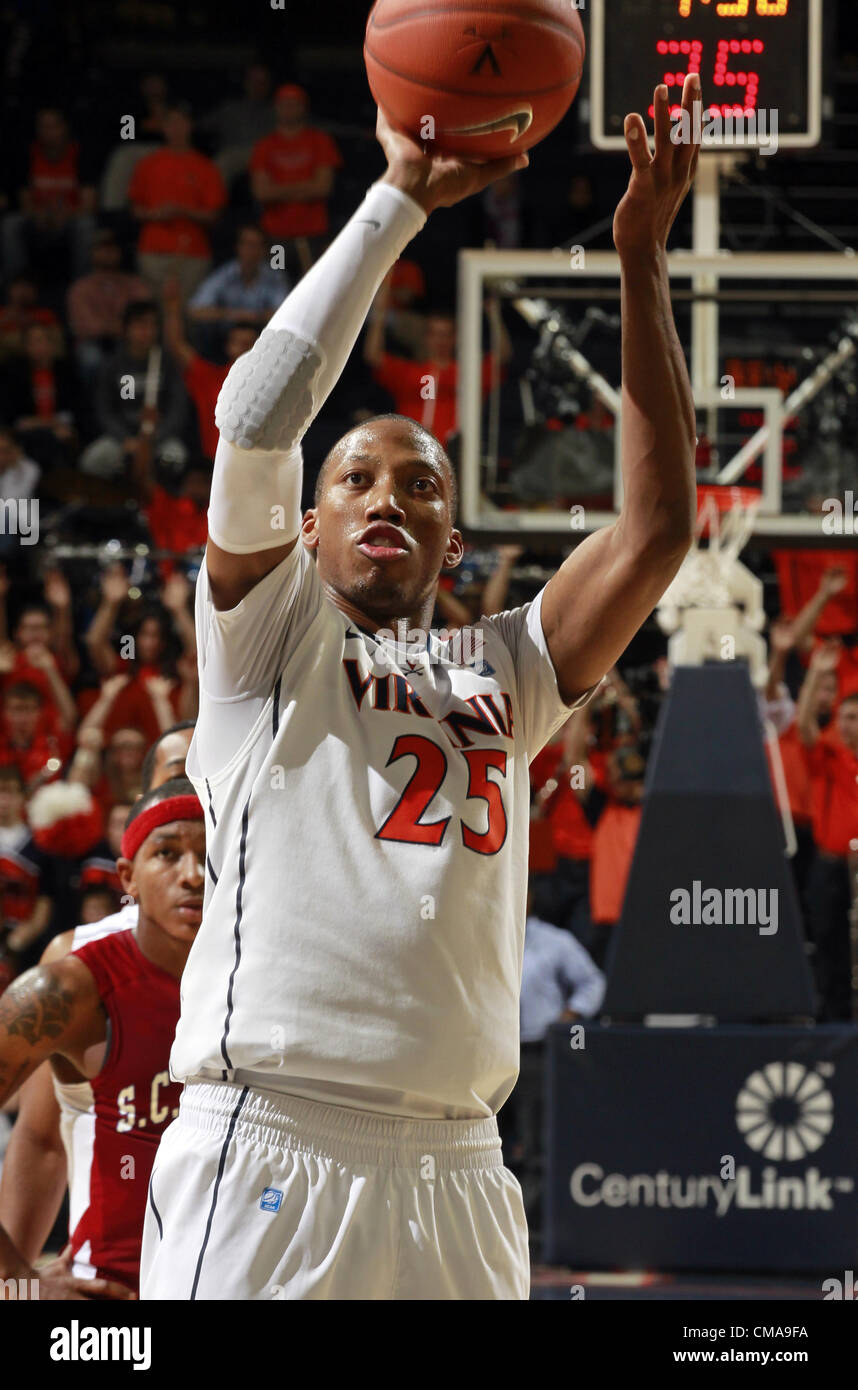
{"x": 170, "y": 756}
{"x": 383, "y": 528}
{"x": 167, "y": 877}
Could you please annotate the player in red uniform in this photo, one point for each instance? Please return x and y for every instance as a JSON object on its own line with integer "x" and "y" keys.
{"x": 107, "y": 1013}
{"x": 44, "y": 1153}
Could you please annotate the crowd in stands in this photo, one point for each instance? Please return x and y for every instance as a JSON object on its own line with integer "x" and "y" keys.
{"x": 130, "y": 285}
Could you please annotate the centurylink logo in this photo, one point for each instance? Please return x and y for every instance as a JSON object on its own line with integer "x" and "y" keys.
{"x": 784, "y": 1111}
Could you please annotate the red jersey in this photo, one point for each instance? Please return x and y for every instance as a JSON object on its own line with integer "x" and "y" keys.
{"x": 571, "y": 832}
{"x": 426, "y": 393}
{"x": 613, "y": 846}
{"x": 203, "y": 380}
{"x": 183, "y": 178}
{"x": 134, "y": 1101}
{"x": 133, "y": 708}
{"x": 834, "y": 770}
{"x": 54, "y": 181}
{"x": 176, "y": 523}
{"x": 795, "y": 756}
{"x": 289, "y": 159}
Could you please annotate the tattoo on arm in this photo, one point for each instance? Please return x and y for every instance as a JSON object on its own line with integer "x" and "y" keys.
{"x": 36, "y": 1007}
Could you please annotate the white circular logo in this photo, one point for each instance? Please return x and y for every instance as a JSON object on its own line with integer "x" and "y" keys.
{"x": 784, "y": 1111}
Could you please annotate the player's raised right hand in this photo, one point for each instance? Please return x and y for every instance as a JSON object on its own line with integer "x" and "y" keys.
{"x": 437, "y": 180}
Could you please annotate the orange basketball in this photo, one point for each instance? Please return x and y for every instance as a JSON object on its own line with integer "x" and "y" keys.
{"x": 481, "y": 78}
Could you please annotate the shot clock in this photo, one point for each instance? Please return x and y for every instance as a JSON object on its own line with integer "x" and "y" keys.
{"x": 754, "y": 57}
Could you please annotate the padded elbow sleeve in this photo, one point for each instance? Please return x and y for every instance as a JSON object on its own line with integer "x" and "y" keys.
{"x": 266, "y": 401}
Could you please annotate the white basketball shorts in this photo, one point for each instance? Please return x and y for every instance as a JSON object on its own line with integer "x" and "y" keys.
{"x": 259, "y": 1195}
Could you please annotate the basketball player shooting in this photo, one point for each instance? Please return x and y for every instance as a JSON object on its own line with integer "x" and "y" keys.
{"x": 349, "y": 1023}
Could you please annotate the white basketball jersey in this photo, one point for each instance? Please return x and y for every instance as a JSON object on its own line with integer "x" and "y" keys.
{"x": 77, "y": 1116}
{"x": 367, "y": 842}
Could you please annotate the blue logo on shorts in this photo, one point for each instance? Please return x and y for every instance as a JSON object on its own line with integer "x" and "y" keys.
{"x": 271, "y": 1199}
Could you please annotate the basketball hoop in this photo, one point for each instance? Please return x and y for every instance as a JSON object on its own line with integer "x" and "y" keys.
{"x": 726, "y": 513}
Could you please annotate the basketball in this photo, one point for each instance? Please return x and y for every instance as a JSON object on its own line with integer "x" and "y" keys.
{"x": 480, "y": 78}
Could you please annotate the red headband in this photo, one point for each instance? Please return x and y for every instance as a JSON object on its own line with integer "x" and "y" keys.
{"x": 171, "y": 808}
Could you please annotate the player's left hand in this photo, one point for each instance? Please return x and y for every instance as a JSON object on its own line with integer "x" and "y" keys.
{"x": 659, "y": 182}
{"x": 58, "y": 1284}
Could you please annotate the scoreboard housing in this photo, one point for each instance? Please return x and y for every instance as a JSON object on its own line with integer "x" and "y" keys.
{"x": 754, "y": 57}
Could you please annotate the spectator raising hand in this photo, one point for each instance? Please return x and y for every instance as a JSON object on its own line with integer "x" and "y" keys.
{"x": 114, "y": 592}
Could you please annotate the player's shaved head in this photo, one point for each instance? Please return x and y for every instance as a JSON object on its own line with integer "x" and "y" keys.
{"x": 425, "y": 444}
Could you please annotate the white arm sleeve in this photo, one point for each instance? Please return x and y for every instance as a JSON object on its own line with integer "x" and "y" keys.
{"x": 273, "y": 392}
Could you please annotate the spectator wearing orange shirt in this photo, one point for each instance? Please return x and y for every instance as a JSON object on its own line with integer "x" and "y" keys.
{"x": 563, "y": 895}
{"x": 56, "y": 217}
{"x": 180, "y": 523}
{"x": 203, "y": 378}
{"x": 834, "y": 774}
{"x": 176, "y": 193}
{"x": 292, "y": 176}
{"x": 786, "y": 637}
{"x": 425, "y": 390}
{"x": 795, "y": 757}
{"x": 614, "y": 839}
{"x": 404, "y": 323}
